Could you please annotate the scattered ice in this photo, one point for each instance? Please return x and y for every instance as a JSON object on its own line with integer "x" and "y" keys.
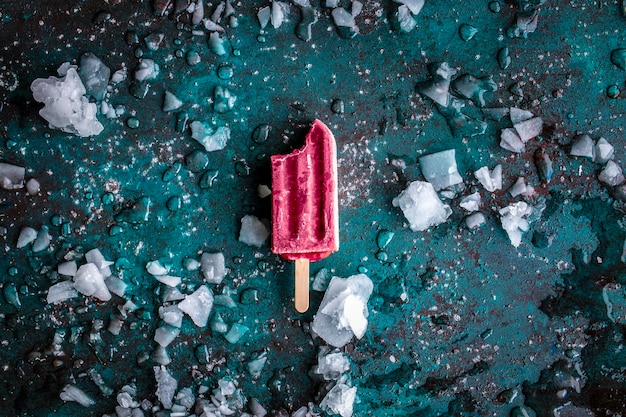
{"x": 475, "y": 220}
{"x": 263, "y": 191}
{"x": 60, "y": 292}
{"x": 603, "y": 151}
{"x": 510, "y": 140}
{"x": 514, "y": 220}
{"x": 171, "y": 102}
{"x": 73, "y": 393}
{"x": 343, "y": 311}
{"x": 115, "y": 324}
{"x": 172, "y": 294}
{"x": 165, "y": 335}
{"x": 11, "y": 176}
{"x": 156, "y": 268}
{"x": 65, "y": 105}
{"x": 212, "y": 140}
{"x": 440, "y": 169}
{"x": 583, "y": 146}
{"x": 168, "y": 280}
{"x": 340, "y": 400}
{"x": 213, "y": 269}
{"x": 171, "y": 315}
{"x": 32, "y": 186}
{"x": 611, "y": 175}
{"x": 26, "y": 237}
{"x": 166, "y": 386}
{"x": 198, "y": 305}
{"x": 519, "y": 115}
{"x": 471, "y": 202}
{"x": 89, "y": 281}
{"x": 147, "y": 69}
{"x": 256, "y": 408}
{"x": 491, "y": 180}
{"x": 529, "y": 129}
{"x": 331, "y": 365}
{"x": 421, "y": 206}
{"x": 253, "y": 231}
{"x": 94, "y": 75}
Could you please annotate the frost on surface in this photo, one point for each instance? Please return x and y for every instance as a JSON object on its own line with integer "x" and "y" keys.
{"x": 166, "y": 386}
{"x": 11, "y": 176}
{"x": 65, "y": 105}
{"x": 421, "y": 206}
{"x": 253, "y": 232}
{"x": 343, "y": 312}
{"x": 198, "y": 305}
{"x": 440, "y": 169}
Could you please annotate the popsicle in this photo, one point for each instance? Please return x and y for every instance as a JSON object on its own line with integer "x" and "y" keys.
{"x": 305, "y": 210}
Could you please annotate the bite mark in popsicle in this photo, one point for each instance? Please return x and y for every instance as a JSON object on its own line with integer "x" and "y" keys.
{"x": 305, "y": 211}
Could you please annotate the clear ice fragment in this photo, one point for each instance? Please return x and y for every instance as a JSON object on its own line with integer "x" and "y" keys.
{"x": 421, "y": 206}
{"x": 198, "y": 305}
{"x": 212, "y": 140}
{"x": 26, "y": 237}
{"x": 171, "y": 102}
{"x": 471, "y": 202}
{"x": 165, "y": 335}
{"x": 213, "y": 269}
{"x": 475, "y": 220}
{"x": 94, "y": 75}
{"x": 253, "y": 231}
{"x": 415, "y": 6}
{"x": 11, "y": 176}
{"x": 491, "y": 180}
{"x": 440, "y": 169}
{"x": 90, "y": 282}
{"x": 519, "y": 115}
{"x": 583, "y": 146}
{"x": 510, "y": 140}
{"x": 611, "y": 175}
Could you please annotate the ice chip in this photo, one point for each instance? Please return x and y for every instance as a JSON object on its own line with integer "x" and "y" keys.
{"x": 166, "y": 386}
{"x": 198, "y": 305}
{"x": 60, "y": 292}
{"x": 583, "y": 146}
{"x": 529, "y": 129}
{"x": 440, "y": 169}
{"x": 253, "y": 232}
{"x": 73, "y": 393}
{"x": 340, "y": 400}
{"x": 475, "y": 220}
{"x": 415, "y": 6}
{"x": 603, "y": 151}
{"x": 471, "y": 202}
{"x": 11, "y": 176}
{"x": 611, "y": 175}
{"x": 421, "y": 206}
{"x": 514, "y": 220}
{"x": 26, "y": 237}
{"x": 68, "y": 268}
{"x": 212, "y": 140}
{"x": 94, "y": 75}
{"x": 519, "y": 115}
{"x": 147, "y": 69}
{"x": 331, "y": 365}
{"x": 171, "y": 315}
{"x": 491, "y": 180}
{"x": 171, "y": 102}
{"x": 343, "y": 18}
{"x": 89, "y": 281}
{"x": 213, "y": 269}
{"x": 510, "y": 140}
{"x": 165, "y": 335}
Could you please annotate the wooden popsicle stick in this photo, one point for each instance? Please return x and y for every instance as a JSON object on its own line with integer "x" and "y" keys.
{"x": 302, "y": 285}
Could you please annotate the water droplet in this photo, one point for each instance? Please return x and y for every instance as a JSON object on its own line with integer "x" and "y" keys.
{"x": 337, "y": 106}
{"x": 108, "y": 198}
{"x": 193, "y": 58}
{"x": 197, "y": 161}
{"x": 383, "y": 238}
{"x": 361, "y": 269}
{"x": 138, "y": 52}
{"x": 11, "y": 144}
{"x": 208, "y": 178}
{"x": 131, "y": 37}
{"x": 174, "y": 203}
{"x": 225, "y": 71}
{"x": 263, "y": 266}
{"x": 241, "y": 168}
{"x": 467, "y": 32}
{"x": 261, "y": 133}
{"x": 495, "y": 6}
{"x": 504, "y": 59}
{"x": 115, "y": 230}
{"x": 260, "y": 39}
{"x": 12, "y": 271}
{"x": 101, "y": 17}
{"x": 237, "y": 260}
{"x": 178, "y": 41}
{"x": 179, "y": 53}
{"x": 249, "y": 296}
{"x": 236, "y": 52}
{"x": 172, "y": 171}
{"x": 89, "y": 195}
{"x": 56, "y": 220}
{"x": 132, "y": 122}
{"x": 612, "y": 91}
{"x": 618, "y": 58}
{"x": 382, "y": 256}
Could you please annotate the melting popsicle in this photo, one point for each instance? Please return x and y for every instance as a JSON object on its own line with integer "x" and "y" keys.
{"x": 305, "y": 220}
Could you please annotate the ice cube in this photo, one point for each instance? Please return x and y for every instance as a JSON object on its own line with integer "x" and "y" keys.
{"x": 440, "y": 169}
{"x": 491, "y": 180}
{"x": 603, "y": 151}
{"x": 89, "y": 281}
{"x": 340, "y": 400}
{"x": 213, "y": 268}
{"x": 421, "y": 206}
{"x": 583, "y": 146}
{"x": 253, "y": 232}
{"x": 343, "y": 311}
{"x": 166, "y": 386}
{"x": 60, "y": 292}
{"x": 611, "y": 175}
{"x": 11, "y": 176}
{"x": 198, "y": 305}
{"x": 73, "y": 393}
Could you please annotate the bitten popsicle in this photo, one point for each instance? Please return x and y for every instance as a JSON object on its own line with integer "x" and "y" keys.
{"x": 305, "y": 210}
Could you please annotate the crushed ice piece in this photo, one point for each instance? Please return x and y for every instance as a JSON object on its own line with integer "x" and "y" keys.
{"x": 491, "y": 180}
{"x": 614, "y": 298}
{"x": 510, "y": 140}
{"x": 60, "y": 292}
{"x": 95, "y": 257}
{"x": 213, "y": 269}
{"x": 165, "y": 335}
{"x": 525, "y": 23}
{"x": 156, "y": 268}
{"x": 611, "y": 175}
{"x": 473, "y": 88}
{"x": 217, "y": 44}
{"x": 89, "y": 281}
{"x": 168, "y": 280}
{"x": 94, "y": 75}
{"x": 32, "y": 186}
{"x": 212, "y": 140}
{"x": 154, "y": 40}
{"x": 415, "y": 6}
{"x": 223, "y": 99}
{"x": 496, "y": 113}
{"x": 256, "y": 408}
{"x": 11, "y": 176}
{"x": 68, "y": 268}
{"x": 475, "y": 220}
{"x": 26, "y": 237}
{"x": 166, "y": 386}
{"x": 172, "y": 294}
{"x": 543, "y": 164}
{"x": 65, "y": 105}
{"x": 321, "y": 280}
{"x": 356, "y": 7}
{"x": 253, "y": 231}
{"x": 218, "y": 325}
{"x": 116, "y": 285}
{"x": 438, "y": 87}
{"x": 340, "y": 400}
{"x": 440, "y": 169}
{"x": 263, "y": 191}
{"x": 343, "y": 18}
{"x": 236, "y": 332}
{"x": 264, "y": 15}
{"x": 583, "y": 146}
{"x": 520, "y": 188}
{"x": 64, "y": 67}
{"x": 11, "y": 295}
{"x": 115, "y": 324}
{"x": 280, "y": 10}
{"x": 343, "y": 311}
{"x": 514, "y": 220}
{"x": 73, "y": 393}
{"x": 471, "y": 202}
{"x": 171, "y": 102}
{"x": 171, "y": 315}
{"x": 160, "y": 356}
{"x": 147, "y": 69}
{"x": 331, "y": 365}
{"x": 198, "y": 305}
{"x": 529, "y": 129}
{"x": 255, "y": 366}
{"x": 42, "y": 241}
{"x": 119, "y": 76}
{"x": 519, "y": 115}
{"x": 603, "y": 151}
{"x": 421, "y": 206}
{"x": 406, "y": 21}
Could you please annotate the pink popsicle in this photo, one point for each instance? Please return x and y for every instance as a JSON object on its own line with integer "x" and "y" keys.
{"x": 305, "y": 220}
